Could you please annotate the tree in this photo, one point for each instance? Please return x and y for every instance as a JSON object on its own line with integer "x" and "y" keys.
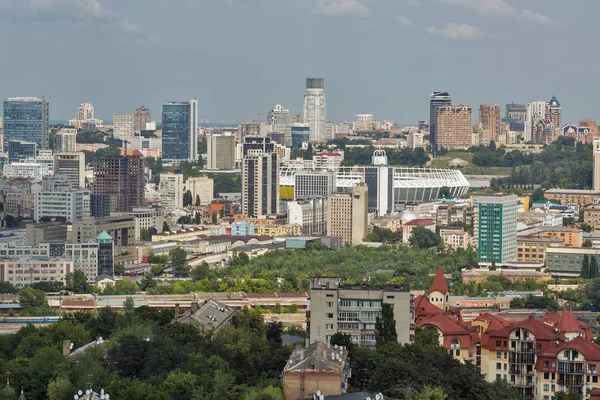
{"x": 200, "y": 272}
{"x": 119, "y": 269}
{"x": 585, "y": 267}
{"x": 34, "y": 303}
{"x": 179, "y": 262}
{"x": 431, "y": 393}
{"x": 592, "y": 292}
{"x": 342, "y": 339}
{"x": 385, "y": 326}
{"x": 147, "y": 281}
{"x": 7, "y": 287}
{"x": 157, "y": 269}
{"x": 129, "y": 305}
{"x": 587, "y": 243}
{"x": 197, "y": 218}
{"x": 593, "y": 268}
{"x": 308, "y": 154}
{"x": 423, "y": 238}
{"x": 77, "y": 282}
{"x": 569, "y": 395}
{"x": 214, "y": 219}
{"x": 197, "y": 200}
{"x": 166, "y": 227}
{"x": 187, "y": 198}
{"x": 538, "y": 195}
{"x": 146, "y": 234}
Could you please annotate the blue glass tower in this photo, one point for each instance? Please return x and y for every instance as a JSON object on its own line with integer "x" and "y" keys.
{"x": 26, "y": 118}
{"x": 20, "y": 150}
{"x": 180, "y": 131}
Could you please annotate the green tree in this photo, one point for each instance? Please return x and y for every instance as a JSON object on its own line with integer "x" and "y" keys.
{"x": 32, "y": 298}
{"x": 147, "y": 281}
{"x": 197, "y": 200}
{"x": 214, "y": 219}
{"x": 129, "y": 305}
{"x": 146, "y": 234}
{"x": 587, "y": 243}
{"x": 308, "y": 154}
{"x": 585, "y": 267}
{"x": 166, "y": 227}
{"x": 7, "y": 287}
{"x": 593, "y": 268}
{"x": 119, "y": 269}
{"x": 60, "y": 388}
{"x": 200, "y": 272}
{"x": 77, "y": 282}
{"x": 431, "y": 393}
{"x": 342, "y": 339}
{"x": 187, "y": 198}
{"x": 179, "y": 261}
{"x": 538, "y": 195}
{"x": 569, "y": 395}
{"x": 385, "y": 326}
{"x": 423, "y": 238}
{"x": 157, "y": 269}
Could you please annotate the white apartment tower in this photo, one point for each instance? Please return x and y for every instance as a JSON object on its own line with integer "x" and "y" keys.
{"x": 220, "y": 149}
{"x": 66, "y": 139}
{"x": 85, "y": 112}
{"x": 171, "y": 191}
{"x": 536, "y": 111}
{"x": 314, "y": 108}
{"x": 347, "y": 215}
{"x": 596, "y": 172}
{"x": 123, "y": 126}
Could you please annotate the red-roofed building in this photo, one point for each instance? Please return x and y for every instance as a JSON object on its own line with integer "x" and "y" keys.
{"x": 457, "y": 336}
{"x": 408, "y": 227}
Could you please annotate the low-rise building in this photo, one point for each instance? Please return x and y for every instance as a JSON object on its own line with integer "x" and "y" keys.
{"x": 481, "y": 275}
{"x": 408, "y": 227}
{"x": 572, "y": 237}
{"x": 26, "y": 170}
{"x": 455, "y": 237}
{"x": 310, "y": 214}
{"x": 22, "y": 272}
{"x": 568, "y": 196}
{"x": 277, "y": 230}
{"x": 45, "y": 232}
{"x": 568, "y": 261}
{"x": 181, "y": 235}
{"x": 146, "y": 218}
{"x": 533, "y": 248}
{"x": 591, "y": 215}
{"x": 210, "y": 316}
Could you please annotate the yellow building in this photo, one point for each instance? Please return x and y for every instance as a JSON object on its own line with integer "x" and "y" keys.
{"x": 273, "y": 230}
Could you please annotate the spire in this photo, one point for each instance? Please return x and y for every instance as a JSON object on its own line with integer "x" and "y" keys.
{"x": 439, "y": 283}
{"x": 567, "y": 322}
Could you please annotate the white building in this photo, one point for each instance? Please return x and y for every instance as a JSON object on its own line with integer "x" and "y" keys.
{"x": 221, "y": 151}
{"x": 66, "y": 139}
{"x": 455, "y": 237}
{"x": 84, "y": 257}
{"x": 310, "y": 214}
{"x": 142, "y": 143}
{"x": 123, "y": 126}
{"x": 201, "y": 188}
{"x": 415, "y": 139}
{"x": 26, "y": 170}
{"x": 85, "y": 112}
{"x": 58, "y": 198}
{"x": 308, "y": 184}
{"x": 71, "y": 165}
{"x": 146, "y": 218}
{"x": 596, "y": 171}
{"x": 24, "y": 271}
{"x": 314, "y": 108}
{"x": 171, "y": 191}
{"x": 536, "y": 111}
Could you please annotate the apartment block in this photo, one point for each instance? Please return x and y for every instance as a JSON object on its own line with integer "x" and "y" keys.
{"x": 454, "y": 127}
{"x": 71, "y": 165}
{"x": 310, "y": 214}
{"x": 24, "y": 271}
{"x": 171, "y": 190}
{"x": 202, "y": 188}
{"x": 347, "y": 215}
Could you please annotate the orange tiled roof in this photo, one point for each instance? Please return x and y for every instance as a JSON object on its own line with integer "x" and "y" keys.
{"x": 439, "y": 283}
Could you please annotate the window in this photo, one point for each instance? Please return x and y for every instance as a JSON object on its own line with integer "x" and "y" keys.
{"x": 457, "y": 352}
{"x": 330, "y": 304}
{"x": 498, "y": 365}
{"x": 546, "y": 364}
{"x": 499, "y": 343}
{"x": 546, "y": 375}
{"x": 329, "y": 295}
{"x": 455, "y": 342}
{"x": 594, "y": 379}
{"x": 546, "y": 387}
{"x": 329, "y": 327}
{"x": 329, "y": 315}
{"x": 498, "y": 354}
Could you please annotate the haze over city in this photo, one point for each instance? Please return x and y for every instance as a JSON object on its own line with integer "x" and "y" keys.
{"x": 241, "y": 57}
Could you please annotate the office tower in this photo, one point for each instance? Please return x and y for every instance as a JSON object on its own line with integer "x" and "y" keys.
{"x": 260, "y": 177}
{"x": 65, "y": 140}
{"x": 59, "y": 198}
{"x": 202, "y": 189}
{"x": 516, "y": 111}
{"x": 596, "y": 172}
{"x": 354, "y": 310}
{"x": 20, "y": 150}
{"x": 489, "y": 118}
{"x": 347, "y": 215}
{"x": 26, "y": 118}
{"x": 71, "y": 165}
{"x": 309, "y": 184}
{"x": 180, "y": 130}
{"x": 536, "y": 111}
{"x": 314, "y": 108}
{"x": 249, "y": 128}
{"x": 106, "y": 249}
{"x": 310, "y": 214}
{"x": 553, "y": 113}
{"x": 123, "y": 126}
{"x": 220, "y": 148}
{"x": 379, "y": 178}
{"x": 437, "y": 99}
{"x": 300, "y": 134}
{"x": 497, "y": 228}
{"x": 141, "y": 118}
{"x": 118, "y": 184}
{"x": 120, "y": 229}
{"x": 453, "y": 127}
{"x": 85, "y": 112}
{"x": 171, "y": 190}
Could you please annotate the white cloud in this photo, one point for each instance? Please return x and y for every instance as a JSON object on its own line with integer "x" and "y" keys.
{"x": 499, "y": 8}
{"x": 537, "y": 17}
{"x": 342, "y": 7}
{"x": 456, "y": 31}
{"x": 406, "y": 22}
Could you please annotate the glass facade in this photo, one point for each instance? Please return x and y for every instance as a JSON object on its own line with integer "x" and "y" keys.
{"x": 26, "y": 118}
{"x": 176, "y": 129}
{"x": 20, "y": 150}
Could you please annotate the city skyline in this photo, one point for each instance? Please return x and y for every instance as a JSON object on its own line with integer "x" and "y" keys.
{"x": 233, "y": 75}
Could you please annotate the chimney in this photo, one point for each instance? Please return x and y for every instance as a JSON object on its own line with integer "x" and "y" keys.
{"x": 195, "y": 305}
{"x": 176, "y": 310}
{"x": 66, "y": 347}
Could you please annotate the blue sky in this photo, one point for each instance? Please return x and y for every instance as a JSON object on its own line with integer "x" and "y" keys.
{"x": 241, "y": 57}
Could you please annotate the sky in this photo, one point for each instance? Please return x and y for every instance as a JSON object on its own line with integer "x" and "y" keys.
{"x": 242, "y": 57}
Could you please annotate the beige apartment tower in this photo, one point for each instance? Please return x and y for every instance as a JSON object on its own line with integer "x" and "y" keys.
{"x": 490, "y": 120}
{"x": 220, "y": 151}
{"x": 596, "y": 172}
{"x": 453, "y": 127}
{"x": 347, "y": 215}
{"x": 123, "y": 126}
{"x": 353, "y": 309}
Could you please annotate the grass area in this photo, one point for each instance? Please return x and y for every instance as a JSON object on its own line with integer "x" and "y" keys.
{"x": 473, "y": 170}
{"x": 443, "y": 161}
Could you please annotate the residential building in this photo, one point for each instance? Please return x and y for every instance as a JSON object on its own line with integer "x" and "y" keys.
{"x": 220, "y": 150}
{"x": 260, "y": 177}
{"x": 300, "y": 133}
{"x": 347, "y": 214}
{"x": 59, "y": 198}
{"x": 533, "y": 248}
{"x": 553, "y": 112}
{"x": 24, "y": 271}
{"x": 21, "y": 151}
{"x": 171, "y": 190}
{"x": 437, "y": 100}
{"x": 146, "y": 218}
{"x": 570, "y": 237}
{"x": 490, "y": 120}
{"x": 596, "y": 170}
{"x": 453, "y": 127}
{"x": 26, "y": 118}
{"x": 415, "y": 140}
{"x": 310, "y": 214}
{"x": 274, "y": 230}
{"x": 309, "y": 184}
{"x": 123, "y": 126}
{"x": 497, "y": 228}
{"x": 210, "y": 316}
{"x": 455, "y": 237}
{"x": 318, "y": 368}
{"x": 536, "y": 112}
{"x": 120, "y": 229}
{"x": 591, "y": 215}
{"x": 516, "y": 111}
{"x": 353, "y": 309}
{"x": 242, "y": 228}
{"x": 118, "y": 185}
{"x": 37, "y": 233}
{"x": 65, "y": 140}
{"x": 180, "y": 130}
{"x": 141, "y": 117}
{"x": 591, "y": 125}
{"x": 71, "y": 165}
{"x": 27, "y": 170}
{"x": 202, "y": 188}
{"x": 314, "y": 108}
{"x": 579, "y": 196}
{"x": 407, "y": 227}
{"x": 454, "y": 214}
{"x": 85, "y": 258}
{"x": 85, "y": 112}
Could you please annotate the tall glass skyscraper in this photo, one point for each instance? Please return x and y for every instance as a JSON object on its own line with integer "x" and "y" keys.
{"x": 314, "y": 107}
{"x": 180, "y": 131}
{"x": 26, "y": 118}
{"x": 437, "y": 100}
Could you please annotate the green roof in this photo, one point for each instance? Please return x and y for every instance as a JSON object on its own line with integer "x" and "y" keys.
{"x": 104, "y": 236}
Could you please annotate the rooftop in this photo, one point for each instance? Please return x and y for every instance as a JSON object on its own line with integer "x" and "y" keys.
{"x": 317, "y": 357}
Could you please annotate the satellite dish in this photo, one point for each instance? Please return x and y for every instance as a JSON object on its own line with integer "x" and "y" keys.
{"x": 87, "y": 391}
{"x": 102, "y": 396}
{"x": 378, "y": 396}
{"x": 75, "y": 397}
{"x": 368, "y": 398}
{"x": 321, "y": 397}
{"x": 80, "y": 393}
{"x": 71, "y": 346}
{"x": 319, "y": 393}
{"x": 107, "y": 397}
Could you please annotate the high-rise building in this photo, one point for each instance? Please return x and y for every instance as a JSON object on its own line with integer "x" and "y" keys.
{"x": 536, "y": 112}
{"x": 437, "y": 99}
{"x": 314, "y": 108}
{"x": 310, "y": 214}
{"x": 220, "y": 148}
{"x": 65, "y": 140}
{"x": 489, "y": 118}
{"x": 85, "y": 112}
{"x": 347, "y": 214}
{"x": 118, "y": 184}
{"x": 202, "y": 189}
{"x": 379, "y": 178}
{"x": 123, "y": 126}
{"x": 260, "y": 177}
{"x": 497, "y": 228}
{"x": 59, "y": 198}
{"x": 121, "y": 229}
{"x": 596, "y": 172}
{"x": 300, "y": 133}
{"x": 309, "y": 184}
{"x": 26, "y": 118}
{"x": 141, "y": 118}
{"x": 180, "y": 130}
{"x": 171, "y": 190}
{"x": 71, "y": 165}
{"x": 249, "y": 128}
{"x": 516, "y": 111}
{"x": 453, "y": 127}
{"x": 20, "y": 150}
{"x": 553, "y": 113}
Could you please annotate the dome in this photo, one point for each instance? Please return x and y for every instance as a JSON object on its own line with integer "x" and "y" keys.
{"x": 407, "y": 216}
{"x": 554, "y": 102}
